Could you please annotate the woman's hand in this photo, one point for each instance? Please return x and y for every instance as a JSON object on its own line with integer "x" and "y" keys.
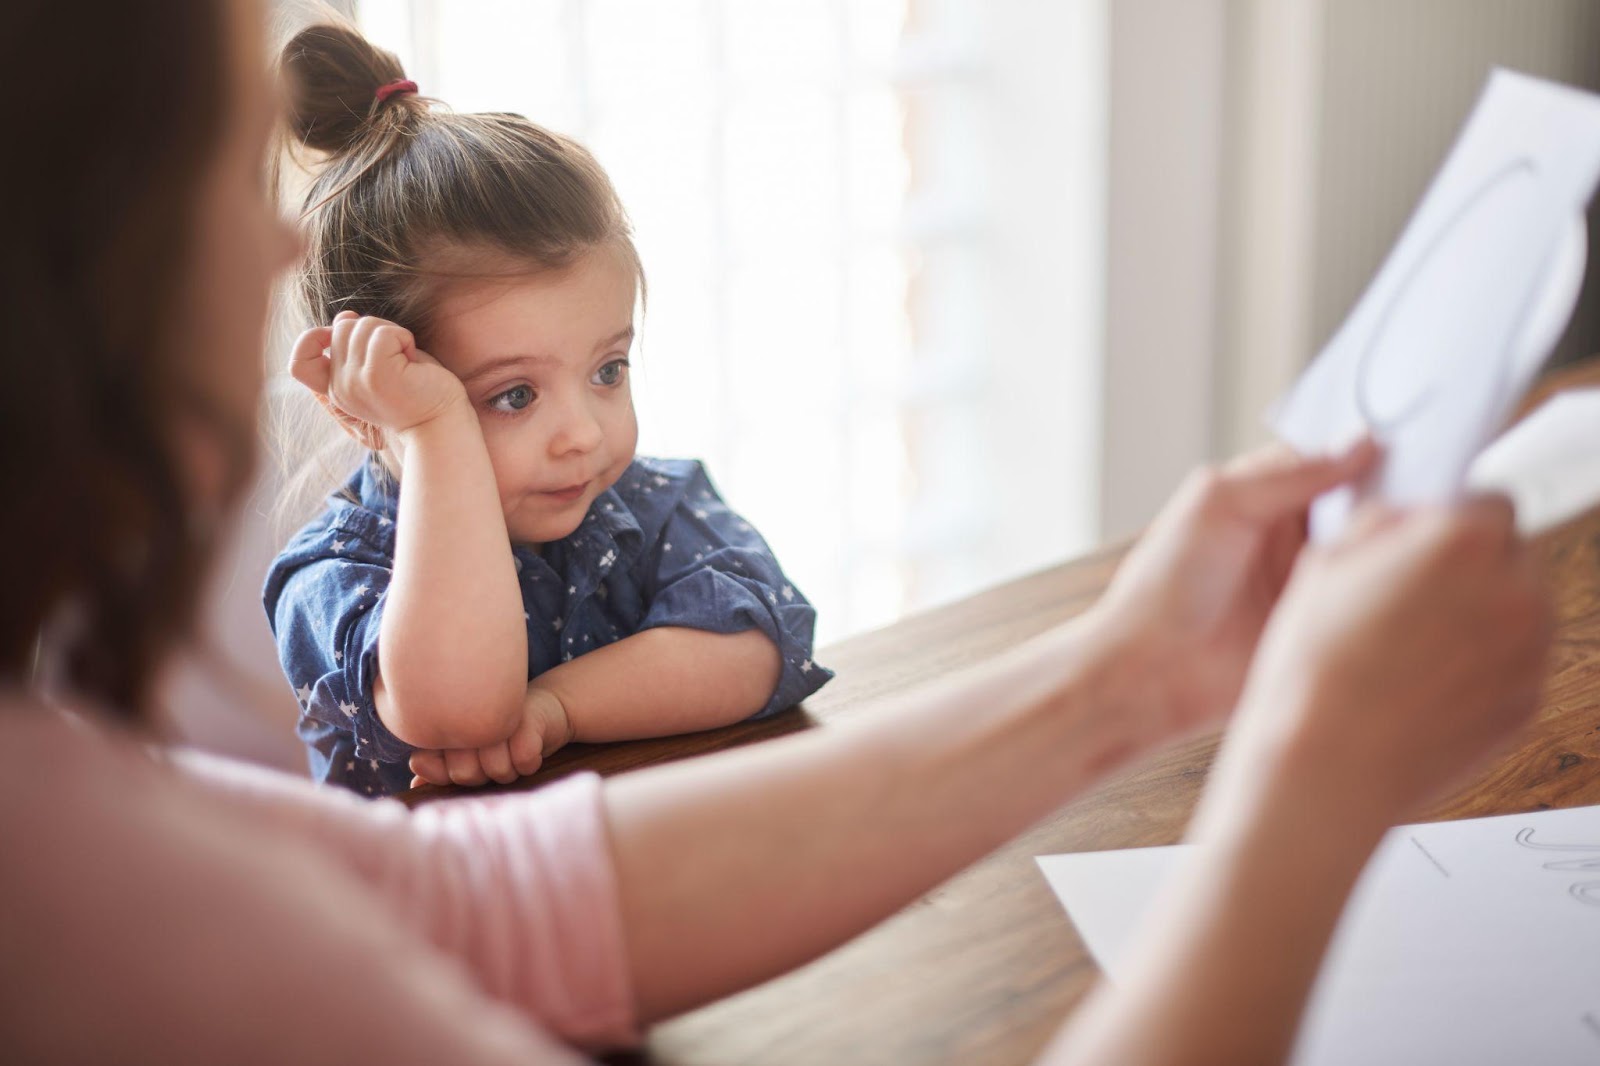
{"x": 543, "y": 731}
{"x": 1193, "y": 595}
{"x": 371, "y": 376}
{"x": 1397, "y": 659}
{"x": 1400, "y": 658}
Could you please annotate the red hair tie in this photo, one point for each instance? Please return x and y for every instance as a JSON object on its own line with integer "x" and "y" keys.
{"x": 399, "y": 85}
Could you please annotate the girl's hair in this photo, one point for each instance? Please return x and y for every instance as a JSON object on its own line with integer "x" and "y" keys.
{"x": 405, "y": 196}
{"x": 101, "y": 547}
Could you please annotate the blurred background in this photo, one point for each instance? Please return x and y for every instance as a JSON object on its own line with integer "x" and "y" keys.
{"x": 946, "y": 291}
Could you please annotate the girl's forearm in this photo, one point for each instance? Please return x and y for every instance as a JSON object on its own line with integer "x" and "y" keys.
{"x": 664, "y": 681}
{"x": 453, "y": 649}
{"x": 1222, "y": 971}
{"x": 734, "y": 868}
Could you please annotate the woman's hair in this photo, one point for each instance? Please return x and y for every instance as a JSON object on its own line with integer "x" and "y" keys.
{"x": 101, "y": 547}
{"x": 405, "y": 196}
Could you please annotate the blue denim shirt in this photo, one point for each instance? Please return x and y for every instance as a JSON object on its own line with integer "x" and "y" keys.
{"x": 659, "y": 548}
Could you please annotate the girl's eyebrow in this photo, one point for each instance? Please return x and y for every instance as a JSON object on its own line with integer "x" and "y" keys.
{"x": 623, "y": 334}
{"x": 505, "y": 362}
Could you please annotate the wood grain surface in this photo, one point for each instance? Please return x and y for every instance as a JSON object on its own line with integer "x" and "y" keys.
{"x": 984, "y": 968}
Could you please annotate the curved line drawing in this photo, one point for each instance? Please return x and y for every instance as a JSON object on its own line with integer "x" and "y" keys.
{"x": 1586, "y": 892}
{"x": 1364, "y": 405}
{"x": 1525, "y": 838}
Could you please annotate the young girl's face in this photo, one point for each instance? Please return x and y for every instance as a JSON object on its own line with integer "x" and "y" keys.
{"x": 544, "y": 359}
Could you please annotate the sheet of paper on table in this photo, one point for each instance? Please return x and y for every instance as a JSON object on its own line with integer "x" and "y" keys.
{"x": 1466, "y": 308}
{"x": 1465, "y": 942}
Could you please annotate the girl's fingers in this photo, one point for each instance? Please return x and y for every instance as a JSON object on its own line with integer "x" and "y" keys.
{"x": 429, "y": 766}
{"x": 361, "y": 341}
{"x": 496, "y": 763}
{"x": 1269, "y": 485}
{"x": 464, "y": 767}
{"x": 308, "y": 360}
{"x": 344, "y": 324}
{"x": 387, "y": 341}
{"x": 526, "y": 748}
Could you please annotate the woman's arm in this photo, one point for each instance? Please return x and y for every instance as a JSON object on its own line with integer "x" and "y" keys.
{"x": 1397, "y": 661}
{"x": 737, "y": 867}
{"x": 452, "y": 647}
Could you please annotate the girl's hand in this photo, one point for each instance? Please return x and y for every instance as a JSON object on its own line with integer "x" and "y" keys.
{"x": 1399, "y": 658}
{"x": 1193, "y": 595}
{"x": 543, "y": 731}
{"x": 371, "y": 376}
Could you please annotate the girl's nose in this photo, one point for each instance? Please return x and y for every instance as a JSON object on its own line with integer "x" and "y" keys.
{"x": 577, "y": 431}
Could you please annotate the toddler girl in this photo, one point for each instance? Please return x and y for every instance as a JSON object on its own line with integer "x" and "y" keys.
{"x": 502, "y": 575}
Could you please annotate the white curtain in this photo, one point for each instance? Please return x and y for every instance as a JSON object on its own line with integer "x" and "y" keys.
{"x": 831, "y": 325}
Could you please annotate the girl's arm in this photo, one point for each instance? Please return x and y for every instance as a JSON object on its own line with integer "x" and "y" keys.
{"x": 452, "y": 645}
{"x": 662, "y": 682}
{"x": 658, "y": 683}
{"x": 1387, "y": 673}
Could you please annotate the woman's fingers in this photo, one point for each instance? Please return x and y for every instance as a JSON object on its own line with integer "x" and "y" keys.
{"x": 1272, "y": 483}
{"x": 308, "y": 360}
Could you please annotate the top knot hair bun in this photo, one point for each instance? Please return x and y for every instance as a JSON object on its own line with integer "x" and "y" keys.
{"x": 337, "y": 83}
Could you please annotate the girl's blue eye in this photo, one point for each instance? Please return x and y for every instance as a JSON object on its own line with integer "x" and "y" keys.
{"x": 513, "y": 399}
{"x": 611, "y": 373}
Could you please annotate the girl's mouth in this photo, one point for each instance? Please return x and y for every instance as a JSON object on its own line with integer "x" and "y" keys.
{"x": 566, "y": 495}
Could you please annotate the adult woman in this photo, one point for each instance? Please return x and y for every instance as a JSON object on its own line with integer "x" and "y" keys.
{"x": 252, "y": 918}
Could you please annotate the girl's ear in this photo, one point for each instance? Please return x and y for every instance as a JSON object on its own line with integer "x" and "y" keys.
{"x": 365, "y": 433}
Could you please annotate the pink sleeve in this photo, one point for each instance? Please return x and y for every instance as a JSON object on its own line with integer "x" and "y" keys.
{"x": 520, "y": 888}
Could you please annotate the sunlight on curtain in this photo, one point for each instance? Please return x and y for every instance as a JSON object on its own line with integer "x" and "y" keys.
{"x": 806, "y": 186}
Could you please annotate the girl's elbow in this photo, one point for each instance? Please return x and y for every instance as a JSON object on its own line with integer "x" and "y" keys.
{"x": 444, "y": 717}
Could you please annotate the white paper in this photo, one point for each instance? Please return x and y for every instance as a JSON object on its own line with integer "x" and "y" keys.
{"x": 1548, "y": 464}
{"x": 1468, "y": 304}
{"x": 1464, "y": 942}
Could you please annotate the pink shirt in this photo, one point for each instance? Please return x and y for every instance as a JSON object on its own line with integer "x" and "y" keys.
{"x": 203, "y": 911}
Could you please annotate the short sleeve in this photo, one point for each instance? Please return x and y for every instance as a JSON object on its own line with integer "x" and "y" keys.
{"x": 325, "y": 600}
{"x": 714, "y": 572}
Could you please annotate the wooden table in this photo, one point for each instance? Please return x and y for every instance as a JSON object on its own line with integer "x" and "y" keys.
{"x": 984, "y": 968}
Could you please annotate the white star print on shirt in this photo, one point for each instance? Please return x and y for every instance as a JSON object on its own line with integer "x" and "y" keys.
{"x": 702, "y": 513}
{"x": 338, "y": 545}
{"x": 348, "y": 708}
{"x": 361, "y": 590}
{"x": 788, "y": 593}
{"x": 659, "y": 480}
{"x": 338, "y": 656}
{"x": 304, "y": 692}
{"x": 805, "y": 667}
